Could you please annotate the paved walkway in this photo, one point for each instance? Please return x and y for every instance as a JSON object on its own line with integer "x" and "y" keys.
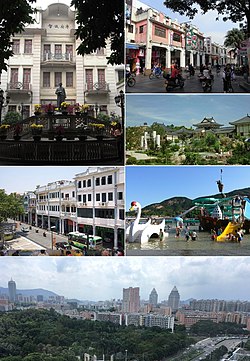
{"x": 192, "y": 85}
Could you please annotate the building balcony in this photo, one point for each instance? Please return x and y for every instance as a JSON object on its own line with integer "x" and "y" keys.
{"x": 19, "y": 88}
{"x": 97, "y": 88}
{"x": 60, "y": 58}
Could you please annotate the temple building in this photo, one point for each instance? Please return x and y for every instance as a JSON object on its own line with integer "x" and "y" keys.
{"x": 242, "y": 126}
{"x": 208, "y": 124}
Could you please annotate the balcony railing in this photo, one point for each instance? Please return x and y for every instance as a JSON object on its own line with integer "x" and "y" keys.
{"x": 67, "y": 57}
{"x": 19, "y": 87}
{"x": 97, "y": 88}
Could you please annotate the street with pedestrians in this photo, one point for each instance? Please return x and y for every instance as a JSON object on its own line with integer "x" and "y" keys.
{"x": 143, "y": 84}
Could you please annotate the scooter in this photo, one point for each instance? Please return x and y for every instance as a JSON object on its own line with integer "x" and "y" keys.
{"x": 172, "y": 83}
{"x": 206, "y": 84}
{"x": 130, "y": 80}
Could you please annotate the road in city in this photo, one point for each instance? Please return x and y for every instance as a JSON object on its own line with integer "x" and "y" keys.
{"x": 192, "y": 85}
{"x": 34, "y": 238}
{"x": 208, "y": 345}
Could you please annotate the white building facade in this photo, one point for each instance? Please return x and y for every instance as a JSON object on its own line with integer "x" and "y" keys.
{"x": 92, "y": 203}
{"x": 45, "y": 55}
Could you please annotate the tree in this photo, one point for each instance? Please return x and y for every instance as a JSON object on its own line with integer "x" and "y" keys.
{"x": 10, "y": 205}
{"x": 15, "y": 15}
{"x": 99, "y": 21}
{"x": 234, "y": 39}
{"x": 231, "y": 10}
{"x": 12, "y": 118}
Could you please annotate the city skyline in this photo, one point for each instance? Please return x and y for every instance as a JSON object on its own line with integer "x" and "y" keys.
{"x": 189, "y": 181}
{"x": 184, "y": 109}
{"x": 194, "y": 277}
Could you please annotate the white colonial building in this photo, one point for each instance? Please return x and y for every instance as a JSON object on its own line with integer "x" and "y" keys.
{"x": 91, "y": 203}
{"x": 45, "y": 55}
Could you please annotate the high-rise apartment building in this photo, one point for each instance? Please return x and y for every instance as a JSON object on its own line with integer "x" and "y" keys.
{"x": 131, "y": 299}
{"x": 153, "y": 297}
{"x": 174, "y": 299}
{"x": 12, "y": 290}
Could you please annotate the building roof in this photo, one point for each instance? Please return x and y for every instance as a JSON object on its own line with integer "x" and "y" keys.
{"x": 244, "y": 120}
{"x": 211, "y": 122}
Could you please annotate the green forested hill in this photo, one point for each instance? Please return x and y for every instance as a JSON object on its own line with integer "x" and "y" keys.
{"x": 40, "y": 335}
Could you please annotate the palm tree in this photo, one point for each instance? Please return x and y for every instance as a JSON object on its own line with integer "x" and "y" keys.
{"x": 234, "y": 39}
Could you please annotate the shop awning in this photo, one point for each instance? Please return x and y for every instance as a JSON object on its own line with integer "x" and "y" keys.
{"x": 132, "y": 46}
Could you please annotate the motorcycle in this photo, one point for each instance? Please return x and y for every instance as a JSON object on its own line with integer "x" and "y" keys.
{"x": 206, "y": 84}
{"x": 130, "y": 80}
{"x": 172, "y": 83}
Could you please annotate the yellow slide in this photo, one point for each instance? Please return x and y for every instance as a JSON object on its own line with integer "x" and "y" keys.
{"x": 230, "y": 228}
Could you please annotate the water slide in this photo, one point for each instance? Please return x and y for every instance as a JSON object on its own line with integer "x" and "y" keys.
{"x": 247, "y": 208}
{"x": 230, "y": 228}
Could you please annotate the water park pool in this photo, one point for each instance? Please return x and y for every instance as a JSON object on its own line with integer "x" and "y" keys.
{"x": 203, "y": 246}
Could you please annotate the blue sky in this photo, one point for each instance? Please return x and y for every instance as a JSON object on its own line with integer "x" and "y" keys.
{"x": 100, "y": 278}
{"x": 21, "y": 179}
{"x": 184, "y": 109}
{"x": 207, "y": 23}
{"x": 154, "y": 184}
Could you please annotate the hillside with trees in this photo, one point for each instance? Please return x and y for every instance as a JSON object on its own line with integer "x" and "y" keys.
{"x": 41, "y": 335}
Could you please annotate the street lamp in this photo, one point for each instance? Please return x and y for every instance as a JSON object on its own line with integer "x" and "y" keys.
{"x": 126, "y": 355}
{"x": 2, "y": 104}
{"x": 120, "y": 102}
{"x": 52, "y": 236}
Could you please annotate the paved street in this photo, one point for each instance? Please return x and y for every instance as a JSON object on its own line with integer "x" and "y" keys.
{"x": 192, "y": 85}
{"x": 33, "y": 240}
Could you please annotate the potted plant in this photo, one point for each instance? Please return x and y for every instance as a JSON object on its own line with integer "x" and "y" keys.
{"x": 17, "y": 131}
{"x": 77, "y": 109}
{"x": 98, "y": 130}
{"x": 49, "y": 109}
{"x": 3, "y": 131}
{"x": 64, "y": 107}
{"x": 36, "y": 130}
{"x": 59, "y": 133}
{"x": 84, "y": 109}
{"x": 38, "y": 109}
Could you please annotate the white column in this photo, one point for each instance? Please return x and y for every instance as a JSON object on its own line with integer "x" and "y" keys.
{"x": 149, "y": 41}
{"x": 198, "y": 60}
{"x": 191, "y": 57}
{"x": 168, "y": 58}
{"x": 158, "y": 140}
{"x": 203, "y": 59}
{"x": 182, "y": 58}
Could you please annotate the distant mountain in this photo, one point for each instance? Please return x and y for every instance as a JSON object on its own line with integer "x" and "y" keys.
{"x": 174, "y": 206}
{"x": 170, "y": 207}
{"x": 32, "y": 292}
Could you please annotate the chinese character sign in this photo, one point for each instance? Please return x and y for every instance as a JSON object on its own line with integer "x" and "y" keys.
{"x": 191, "y": 39}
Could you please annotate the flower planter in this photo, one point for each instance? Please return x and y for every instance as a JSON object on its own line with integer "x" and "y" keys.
{"x": 37, "y": 113}
{"x": 50, "y": 112}
{"x": 3, "y": 136}
{"x": 64, "y": 112}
